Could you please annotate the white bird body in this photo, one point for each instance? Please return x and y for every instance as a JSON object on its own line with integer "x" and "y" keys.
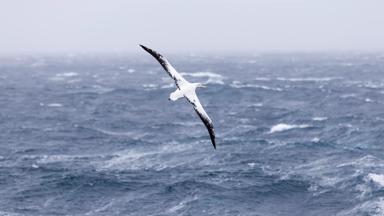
{"x": 185, "y": 89}
{"x": 176, "y": 95}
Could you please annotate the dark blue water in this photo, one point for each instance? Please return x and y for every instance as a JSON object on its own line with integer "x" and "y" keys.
{"x": 297, "y": 134}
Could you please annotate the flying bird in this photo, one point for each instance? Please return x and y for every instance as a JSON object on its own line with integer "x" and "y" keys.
{"x": 185, "y": 89}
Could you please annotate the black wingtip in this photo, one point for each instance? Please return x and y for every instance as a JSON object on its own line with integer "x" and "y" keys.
{"x": 144, "y": 47}
{"x": 150, "y": 51}
{"x": 213, "y": 143}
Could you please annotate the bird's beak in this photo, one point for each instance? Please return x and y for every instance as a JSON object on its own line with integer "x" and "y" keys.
{"x": 203, "y": 86}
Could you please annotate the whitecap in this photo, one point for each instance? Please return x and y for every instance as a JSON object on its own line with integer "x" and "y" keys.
{"x": 262, "y": 79}
{"x": 237, "y": 84}
{"x": 113, "y": 133}
{"x": 348, "y": 95}
{"x": 182, "y": 204}
{"x": 212, "y": 77}
{"x": 100, "y": 209}
{"x": 58, "y": 158}
{"x": 149, "y": 86}
{"x": 256, "y": 105}
{"x": 283, "y": 127}
{"x": 366, "y": 161}
{"x": 315, "y": 139}
{"x": 67, "y": 74}
{"x": 55, "y": 105}
{"x": 377, "y": 178}
{"x": 46, "y": 159}
{"x": 308, "y": 79}
{"x": 202, "y": 74}
{"x": 136, "y": 159}
{"x": 170, "y": 85}
{"x": 319, "y": 118}
{"x": 371, "y": 85}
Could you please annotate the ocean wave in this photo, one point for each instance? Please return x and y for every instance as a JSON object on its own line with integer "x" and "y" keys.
{"x": 364, "y": 162}
{"x": 67, "y": 74}
{"x": 3, "y": 213}
{"x": 213, "y": 78}
{"x": 150, "y": 86}
{"x": 325, "y": 175}
{"x": 136, "y": 159}
{"x": 101, "y": 89}
{"x": 371, "y": 85}
{"x": 376, "y": 178}
{"x": 130, "y": 134}
{"x": 319, "y": 118}
{"x": 181, "y": 205}
{"x": 257, "y": 105}
{"x": 41, "y": 62}
{"x": 308, "y": 79}
{"x": 262, "y": 79}
{"x": 315, "y": 139}
{"x": 170, "y": 85}
{"x": 373, "y": 207}
{"x": 237, "y": 84}
{"x": 202, "y": 74}
{"x": 54, "y": 105}
{"x": 368, "y": 100}
{"x": 47, "y": 159}
{"x": 345, "y": 96}
{"x": 283, "y": 127}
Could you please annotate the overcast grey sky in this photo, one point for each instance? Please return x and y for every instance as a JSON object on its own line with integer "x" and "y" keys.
{"x": 195, "y": 25}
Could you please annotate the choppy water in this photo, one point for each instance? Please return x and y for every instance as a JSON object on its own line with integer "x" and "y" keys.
{"x": 297, "y": 134}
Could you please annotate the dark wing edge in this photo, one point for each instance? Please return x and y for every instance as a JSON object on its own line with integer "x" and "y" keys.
{"x": 158, "y": 57}
{"x": 208, "y": 124}
{"x": 165, "y": 64}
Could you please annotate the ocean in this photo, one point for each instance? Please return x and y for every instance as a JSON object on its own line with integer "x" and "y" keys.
{"x": 297, "y": 134}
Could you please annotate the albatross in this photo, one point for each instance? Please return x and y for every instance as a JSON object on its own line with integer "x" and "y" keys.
{"x": 185, "y": 89}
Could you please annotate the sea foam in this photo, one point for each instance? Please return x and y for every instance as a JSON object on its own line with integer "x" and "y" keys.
{"x": 283, "y": 127}
{"x": 212, "y": 77}
{"x": 67, "y": 74}
{"x": 319, "y": 118}
{"x": 377, "y": 178}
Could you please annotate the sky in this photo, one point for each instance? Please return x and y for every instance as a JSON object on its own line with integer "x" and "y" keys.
{"x": 62, "y": 26}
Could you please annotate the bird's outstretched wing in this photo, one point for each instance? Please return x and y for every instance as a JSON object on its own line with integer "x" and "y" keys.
{"x": 179, "y": 80}
{"x": 194, "y": 100}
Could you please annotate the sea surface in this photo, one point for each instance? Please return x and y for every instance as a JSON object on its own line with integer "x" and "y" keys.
{"x": 298, "y": 134}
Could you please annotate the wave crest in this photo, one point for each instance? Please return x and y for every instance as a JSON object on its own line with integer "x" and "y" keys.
{"x": 283, "y": 127}
{"x": 212, "y": 77}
